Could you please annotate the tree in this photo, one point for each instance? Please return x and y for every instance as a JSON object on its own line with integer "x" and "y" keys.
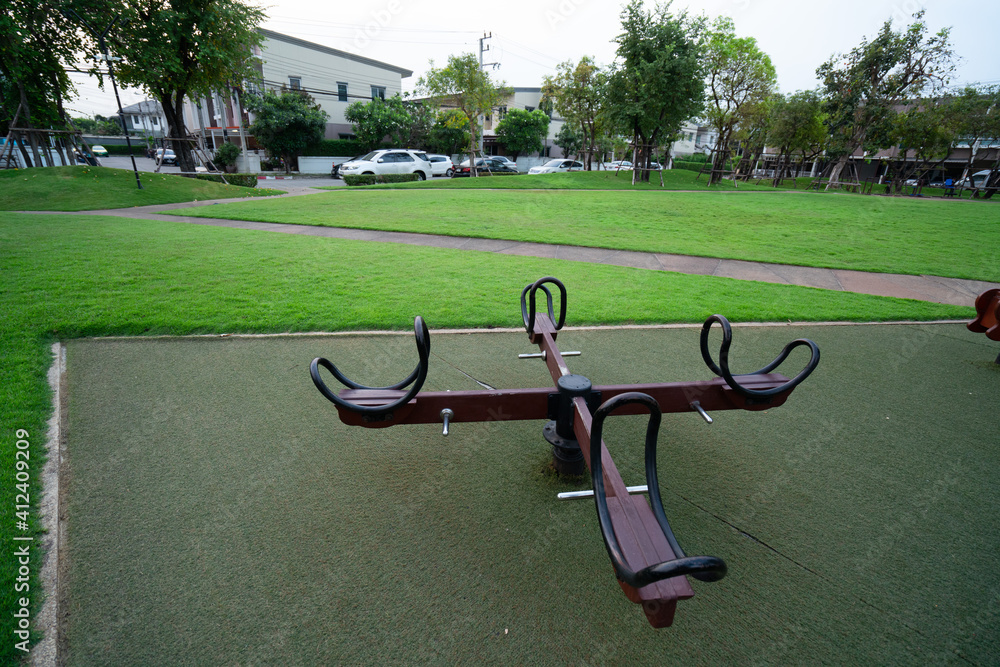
{"x": 449, "y": 133}
{"x": 35, "y": 42}
{"x": 375, "y": 120}
{"x": 578, "y": 93}
{"x": 796, "y": 127}
{"x": 977, "y": 111}
{"x": 416, "y": 133}
{"x": 180, "y": 48}
{"x": 523, "y": 131}
{"x": 864, "y": 88}
{"x": 924, "y": 133}
{"x": 286, "y": 123}
{"x": 741, "y": 79}
{"x": 569, "y": 140}
{"x": 99, "y": 125}
{"x": 656, "y": 83}
{"x": 462, "y": 83}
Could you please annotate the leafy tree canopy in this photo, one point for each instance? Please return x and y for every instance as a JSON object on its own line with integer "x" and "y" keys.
{"x": 35, "y": 40}
{"x": 285, "y": 124}
{"x": 179, "y": 48}
{"x": 569, "y": 140}
{"x": 523, "y": 131}
{"x": 741, "y": 80}
{"x": 375, "y": 120}
{"x": 450, "y": 132}
{"x": 463, "y": 84}
{"x": 578, "y": 93}
{"x": 864, "y": 88}
{"x": 657, "y": 82}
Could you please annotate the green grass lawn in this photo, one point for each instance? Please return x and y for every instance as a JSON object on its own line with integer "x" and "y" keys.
{"x": 882, "y": 234}
{"x": 88, "y": 188}
{"x": 74, "y": 276}
{"x": 674, "y": 179}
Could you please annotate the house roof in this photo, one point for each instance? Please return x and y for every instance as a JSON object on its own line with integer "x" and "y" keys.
{"x": 270, "y": 34}
{"x": 144, "y": 108}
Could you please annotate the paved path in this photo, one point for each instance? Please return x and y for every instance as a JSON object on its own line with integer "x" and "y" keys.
{"x": 951, "y": 291}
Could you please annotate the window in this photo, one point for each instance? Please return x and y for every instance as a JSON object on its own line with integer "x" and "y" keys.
{"x": 529, "y": 109}
{"x": 341, "y": 91}
{"x": 295, "y": 82}
{"x": 379, "y": 92}
{"x": 342, "y": 135}
{"x": 155, "y": 121}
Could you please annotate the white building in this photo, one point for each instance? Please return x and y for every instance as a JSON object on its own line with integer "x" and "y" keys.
{"x": 332, "y": 77}
{"x": 527, "y": 99}
{"x": 145, "y": 119}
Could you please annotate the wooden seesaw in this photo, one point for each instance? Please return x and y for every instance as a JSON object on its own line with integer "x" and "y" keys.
{"x": 650, "y": 565}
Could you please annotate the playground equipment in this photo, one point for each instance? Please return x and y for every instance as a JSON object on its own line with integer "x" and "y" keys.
{"x": 987, "y": 315}
{"x": 648, "y": 561}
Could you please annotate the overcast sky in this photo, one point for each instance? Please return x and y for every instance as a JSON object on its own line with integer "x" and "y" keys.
{"x": 530, "y": 37}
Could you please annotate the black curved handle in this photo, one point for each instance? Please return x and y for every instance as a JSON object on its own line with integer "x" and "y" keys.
{"x": 727, "y": 339}
{"x": 529, "y": 318}
{"x": 704, "y": 568}
{"x": 417, "y": 377}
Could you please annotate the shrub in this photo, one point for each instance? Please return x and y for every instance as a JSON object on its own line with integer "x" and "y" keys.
{"x": 690, "y": 166}
{"x": 336, "y": 148}
{"x": 243, "y": 180}
{"x": 137, "y": 149}
{"x": 372, "y": 179}
{"x": 226, "y": 154}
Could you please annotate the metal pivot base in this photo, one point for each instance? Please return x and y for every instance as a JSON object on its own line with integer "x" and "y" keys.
{"x": 567, "y": 457}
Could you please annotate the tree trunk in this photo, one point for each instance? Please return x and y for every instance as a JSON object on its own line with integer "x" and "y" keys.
{"x": 173, "y": 110}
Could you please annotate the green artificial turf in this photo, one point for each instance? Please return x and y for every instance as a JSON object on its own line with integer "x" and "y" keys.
{"x": 72, "y": 276}
{"x": 881, "y": 234}
{"x": 217, "y": 511}
{"x": 88, "y": 188}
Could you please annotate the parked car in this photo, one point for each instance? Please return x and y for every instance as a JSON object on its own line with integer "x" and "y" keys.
{"x": 507, "y": 160}
{"x": 335, "y": 171}
{"x": 556, "y": 166}
{"x": 99, "y": 151}
{"x": 441, "y": 165}
{"x": 390, "y": 161}
{"x": 485, "y": 165}
{"x": 86, "y": 160}
{"x": 618, "y": 164}
{"x": 978, "y": 179}
{"x": 166, "y": 155}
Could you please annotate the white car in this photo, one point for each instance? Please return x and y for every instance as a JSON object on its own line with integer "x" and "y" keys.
{"x": 390, "y": 161}
{"x": 556, "y": 166}
{"x": 441, "y": 165}
{"x": 623, "y": 165}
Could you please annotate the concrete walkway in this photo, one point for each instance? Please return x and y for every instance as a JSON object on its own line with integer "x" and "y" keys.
{"x": 952, "y": 291}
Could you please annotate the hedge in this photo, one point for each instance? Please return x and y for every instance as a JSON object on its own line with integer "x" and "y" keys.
{"x": 243, "y": 180}
{"x": 372, "y": 179}
{"x": 137, "y": 149}
{"x": 336, "y": 148}
{"x": 690, "y": 166}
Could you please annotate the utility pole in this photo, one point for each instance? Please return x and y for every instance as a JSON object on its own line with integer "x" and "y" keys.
{"x": 483, "y": 49}
{"x": 106, "y": 56}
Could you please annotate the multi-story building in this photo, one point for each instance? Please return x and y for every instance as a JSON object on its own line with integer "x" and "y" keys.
{"x": 145, "y": 119}
{"x": 332, "y": 77}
